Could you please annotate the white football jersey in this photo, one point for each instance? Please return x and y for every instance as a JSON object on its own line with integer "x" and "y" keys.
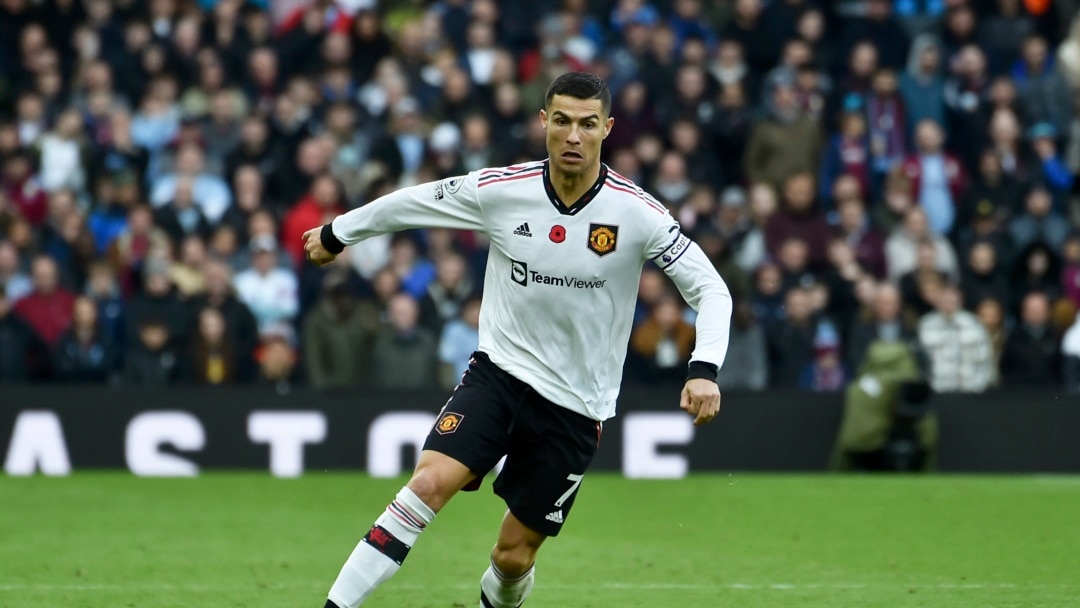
{"x": 561, "y": 281}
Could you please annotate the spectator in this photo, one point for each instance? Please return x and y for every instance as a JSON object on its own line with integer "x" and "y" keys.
{"x": 902, "y": 247}
{"x": 22, "y": 188}
{"x": 277, "y": 360}
{"x": 338, "y": 336}
{"x": 791, "y": 340}
{"x": 884, "y": 30}
{"x": 885, "y": 322}
{"x": 158, "y": 302}
{"x": 64, "y": 155}
{"x": 49, "y": 308}
{"x": 855, "y": 228}
{"x": 1038, "y": 223}
{"x": 1032, "y": 355}
{"x": 459, "y": 340}
{"x": 750, "y": 252}
{"x": 848, "y": 153}
{"x": 922, "y": 86}
{"x": 23, "y": 355}
{"x": 240, "y": 327}
{"x": 130, "y": 249}
{"x": 447, "y": 293}
{"x": 84, "y": 353}
{"x": 958, "y": 347}
{"x": 404, "y": 351}
{"x": 15, "y": 283}
{"x": 747, "y": 365}
{"x": 182, "y": 216}
{"x": 212, "y": 359}
{"x": 991, "y": 314}
{"x": 886, "y": 118}
{"x": 151, "y": 361}
{"x": 937, "y": 178}
{"x": 992, "y": 189}
{"x": 210, "y": 192}
{"x": 896, "y": 200}
{"x": 414, "y": 272}
{"x": 1054, "y": 172}
{"x": 103, "y": 288}
{"x": 921, "y": 286}
{"x": 825, "y": 372}
{"x": 786, "y": 141}
{"x": 799, "y": 219}
{"x": 984, "y": 276}
{"x": 268, "y": 290}
{"x": 965, "y": 92}
{"x": 187, "y": 272}
{"x": 661, "y": 345}
{"x": 1038, "y": 269}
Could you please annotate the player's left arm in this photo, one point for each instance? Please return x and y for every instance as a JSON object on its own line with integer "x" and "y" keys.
{"x": 707, "y": 293}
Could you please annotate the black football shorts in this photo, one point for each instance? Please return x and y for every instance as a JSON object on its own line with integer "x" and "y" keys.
{"x": 547, "y": 447}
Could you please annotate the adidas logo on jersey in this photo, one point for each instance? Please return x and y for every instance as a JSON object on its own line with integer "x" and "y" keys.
{"x": 555, "y": 517}
{"x": 523, "y": 230}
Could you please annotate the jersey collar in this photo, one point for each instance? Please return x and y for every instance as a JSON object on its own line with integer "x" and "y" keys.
{"x": 589, "y": 195}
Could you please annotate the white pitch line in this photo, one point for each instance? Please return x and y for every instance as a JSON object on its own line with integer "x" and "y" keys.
{"x": 60, "y": 587}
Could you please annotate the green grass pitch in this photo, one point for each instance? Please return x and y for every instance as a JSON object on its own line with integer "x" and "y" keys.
{"x": 108, "y": 540}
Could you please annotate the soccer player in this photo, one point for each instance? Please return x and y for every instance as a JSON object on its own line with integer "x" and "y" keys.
{"x": 569, "y": 237}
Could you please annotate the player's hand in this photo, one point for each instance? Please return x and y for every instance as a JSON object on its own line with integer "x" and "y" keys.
{"x": 314, "y": 250}
{"x": 701, "y": 399}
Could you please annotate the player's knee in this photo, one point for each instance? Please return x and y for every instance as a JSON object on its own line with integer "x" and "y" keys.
{"x": 513, "y": 560}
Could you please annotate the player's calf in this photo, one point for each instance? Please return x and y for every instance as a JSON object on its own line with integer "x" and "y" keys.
{"x": 381, "y": 552}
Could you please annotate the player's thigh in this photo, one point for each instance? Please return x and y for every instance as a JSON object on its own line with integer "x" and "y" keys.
{"x": 437, "y": 478}
{"x": 545, "y": 468}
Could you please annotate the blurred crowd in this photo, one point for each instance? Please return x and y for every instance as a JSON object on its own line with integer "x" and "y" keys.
{"x": 860, "y": 172}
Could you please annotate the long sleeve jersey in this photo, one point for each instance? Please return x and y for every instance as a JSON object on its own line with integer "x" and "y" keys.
{"x": 561, "y": 280}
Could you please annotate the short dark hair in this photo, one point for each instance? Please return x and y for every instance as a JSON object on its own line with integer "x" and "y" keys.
{"x": 580, "y": 85}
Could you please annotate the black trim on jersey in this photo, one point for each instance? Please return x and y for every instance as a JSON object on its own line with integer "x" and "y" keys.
{"x": 329, "y": 240}
{"x": 702, "y": 369}
{"x": 581, "y": 202}
{"x": 505, "y": 173}
{"x": 678, "y": 235}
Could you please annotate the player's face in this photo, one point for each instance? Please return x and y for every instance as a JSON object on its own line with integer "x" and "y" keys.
{"x": 575, "y": 129}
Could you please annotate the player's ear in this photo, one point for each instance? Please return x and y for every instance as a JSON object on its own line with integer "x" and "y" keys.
{"x": 543, "y": 118}
{"x": 607, "y": 126}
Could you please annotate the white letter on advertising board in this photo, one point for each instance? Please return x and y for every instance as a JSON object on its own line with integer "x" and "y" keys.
{"x": 286, "y": 433}
{"x": 37, "y": 444}
{"x": 643, "y": 434}
{"x": 148, "y": 432}
{"x": 389, "y": 433}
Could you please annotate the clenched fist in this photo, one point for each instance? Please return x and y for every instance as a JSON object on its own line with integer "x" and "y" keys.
{"x": 314, "y": 250}
{"x": 701, "y": 399}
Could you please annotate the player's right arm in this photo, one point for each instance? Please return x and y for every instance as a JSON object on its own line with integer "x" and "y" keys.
{"x": 449, "y": 203}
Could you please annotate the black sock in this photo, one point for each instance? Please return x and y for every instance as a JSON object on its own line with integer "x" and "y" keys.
{"x": 330, "y": 604}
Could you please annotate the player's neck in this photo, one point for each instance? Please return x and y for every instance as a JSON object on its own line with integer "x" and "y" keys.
{"x": 570, "y": 188}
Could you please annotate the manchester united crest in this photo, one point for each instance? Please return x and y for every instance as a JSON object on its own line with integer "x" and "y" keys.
{"x": 602, "y": 238}
{"x": 448, "y": 423}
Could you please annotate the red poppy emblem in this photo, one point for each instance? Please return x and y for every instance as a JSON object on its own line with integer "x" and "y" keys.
{"x": 557, "y": 234}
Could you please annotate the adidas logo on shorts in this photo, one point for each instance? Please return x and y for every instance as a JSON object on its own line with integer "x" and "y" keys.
{"x": 555, "y": 517}
{"x": 523, "y": 230}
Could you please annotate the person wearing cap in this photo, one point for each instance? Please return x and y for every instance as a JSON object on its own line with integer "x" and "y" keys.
{"x": 270, "y": 291}
{"x": 1055, "y": 173}
{"x": 787, "y": 141}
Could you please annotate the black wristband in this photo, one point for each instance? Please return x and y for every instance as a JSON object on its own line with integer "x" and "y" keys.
{"x": 329, "y": 241}
{"x": 701, "y": 369}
